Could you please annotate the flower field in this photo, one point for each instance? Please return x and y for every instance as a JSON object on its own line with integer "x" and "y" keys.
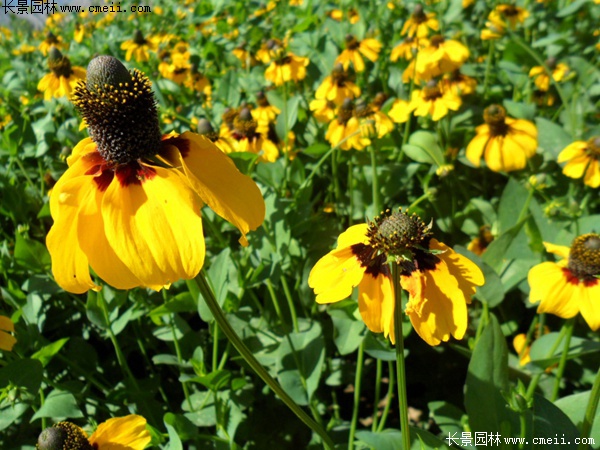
{"x": 297, "y": 224}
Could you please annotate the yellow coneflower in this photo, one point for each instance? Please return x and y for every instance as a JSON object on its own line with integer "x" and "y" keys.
{"x": 323, "y": 110}
{"x": 114, "y": 196}
{"x": 419, "y": 23}
{"x": 337, "y": 86}
{"x": 176, "y": 64}
{"x": 196, "y": 81}
{"x": 572, "y": 285}
{"x": 63, "y": 77}
{"x": 288, "y": 67}
{"x": 264, "y": 113}
{"x": 139, "y": 47}
{"x": 400, "y": 111}
{"x": 123, "y": 433}
{"x": 440, "y": 56}
{"x": 241, "y": 130}
{"x": 50, "y": 41}
{"x": 373, "y": 123}
{"x": 583, "y": 160}
{"x": 7, "y": 340}
{"x": 407, "y": 48}
{"x": 459, "y": 83}
{"x": 480, "y": 243}
{"x": 439, "y": 281}
{"x": 338, "y": 15}
{"x": 344, "y": 130}
{"x": 270, "y": 50}
{"x": 542, "y": 78}
{"x": 504, "y": 142}
{"x": 355, "y": 50}
{"x": 433, "y": 100}
{"x": 495, "y": 27}
{"x": 205, "y": 128}
{"x": 514, "y": 15}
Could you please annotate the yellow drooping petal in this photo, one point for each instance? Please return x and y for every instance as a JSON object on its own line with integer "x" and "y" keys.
{"x": 215, "y": 178}
{"x": 476, "y": 147}
{"x": 560, "y": 250}
{"x": 555, "y": 291}
{"x": 335, "y": 275}
{"x": 588, "y": 294}
{"x": 70, "y": 264}
{"x": 155, "y": 227}
{"x": 376, "y": 304}
{"x": 121, "y": 433}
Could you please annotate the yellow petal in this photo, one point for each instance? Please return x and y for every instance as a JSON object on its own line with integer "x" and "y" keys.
{"x": 155, "y": 227}
{"x": 571, "y": 151}
{"x": 335, "y": 275}
{"x": 376, "y": 304}
{"x": 121, "y": 433}
{"x": 576, "y": 167}
{"x": 592, "y": 175}
{"x": 560, "y": 250}
{"x": 588, "y": 294}
{"x": 555, "y": 291}
{"x": 213, "y": 175}
{"x": 7, "y": 341}
{"x": 476, "y": 147}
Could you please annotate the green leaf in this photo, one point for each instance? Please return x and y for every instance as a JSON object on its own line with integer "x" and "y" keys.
{"x": 520, "y": 110}
{"x": 550, "y": 423}
{"x": 572, "y": 406}
{"x": 23, "y": 373}
{"x": 487, "y": 379}
{"x": 300, "y": 362}
{"x": 513, "y": 199}
{"x": 215, "y": 380}
{"x": 348, "y": 330}
{"x": 540, "y": 349}
{"x": 423, "y": 147}
{"x": 59, "y": 404}
{"x": 572, "y": 8}
{"x": 552, "y": 138}
{"x": 290, "y": 114}
{"x": 10, "y": 412}
{"x": 391, "y": 439}
{"x": 450, "y": 419}
{"x": 174, "y": 440}
{"x": 380, "y": 348}
{"x": 31, "y": 254}
{"x": 182, "y": 302}
{"x": 46, "y": 353}
{"x": 492, "y": 292}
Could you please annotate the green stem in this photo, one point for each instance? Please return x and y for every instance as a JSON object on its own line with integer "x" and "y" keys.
{"x": 291, "y": 306}
{"x": 357, "y": 387}
{"x": 563, "y": 358}
{"x": 389, "y": 397}
{"x": 400, "y": 363}
{"x": 377, "y": 394}
{"x": 201, "y": 285}
{"x": 375, "y": 183}
{"x": 590, "y": 412}
{"x": 523, "y": 423}
{"x": 488, "y": 70}
{"x": 215, "y": 352}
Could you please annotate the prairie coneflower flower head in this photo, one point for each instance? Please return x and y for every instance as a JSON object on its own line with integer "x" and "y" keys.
{"x": 558, "y": 72}
{"x": 242, "y": 131}
{"x": 139, "y": 47}
{"x": 129, "y": 204}
{"x": 434, "y": 100}
{"x": 264, "y": 113}
{"x": 571, "y": 285}
{"x": 374, "y": 124}
{"x": 344, "y": 129}
{"x": 419, "y": 23}
{"x": 338, "y": 86}
{"x": 51, "y": 40}
{"x": 287, "y": 67}
{"x": 439, "y": 281}
{"x": 440, "y": 56}
{"x": 504, "y": 142}
{"x": 583, "y": 160}
{"x": 7, "y": 340}
{"x": 123, "y": 433}
{"x": 63, "y": 77}
{"x": 512, "y": 14}
{"x": 355, "y": 50}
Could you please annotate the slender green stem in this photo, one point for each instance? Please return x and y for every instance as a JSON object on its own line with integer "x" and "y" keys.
{"x": 336, "y": 183}
{"x": 488, "y": 70}
{"x": 536, "y": 379}
{"x": 563, "y": 358}
{"x": 389, "y": 397}
{"x": 357, "y": 389}
{"x": 375, "y": 182}
{"x": 291, "y": 306}
{"x": 215, "y": 352}
{"x": 400, "y": 363}
{"x": 377, "y": 394}
{"x": 202, "y": 286}
{"x": 590, "y": 412}
{"x": 42, "y": 401}
{"x": 523, "y": 423}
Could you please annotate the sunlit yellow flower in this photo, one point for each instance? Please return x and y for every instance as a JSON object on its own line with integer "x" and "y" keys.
{"x": 504, "y": 142}
{"x": 264, "y": 113}
{"x": 119, "y": 433}
{"x": 400, "y": 111}
{"x": 440, "y": 56}
{"x": 480, "y": 243}
{"x": 355, "y": 50}
{"x": 460, "y": 84}
{"x": 338, "y": 14}
{"x": 287, "y": 68}
{"x": 583, "y": 160}
{"x": 50, "y": 41}
{"x": 571, "y": 285}
{"x": 542, "y": 79}
{"x": 373, "y": 123}
{"x": 512, "y": 14}
{"x": 5, "y": 33}
{"x": 337, "y": 86}
{"x": 434, "y": 100}
{"x": 204, "y": 128}
{"x": 439, "y": 281}
{"x": 467, "y": 3}
{"x": 259, "y": 12}
{"x": 176, "y": 64}
{"x": 196, "y": 81}
{"x": 63, "y": 77}
{"x": 138, "y": 47}
{"x": 23, "y": 49}
{"x": 7, "y": 340}
{"x": 244, "y": 56}
{"x": 495, "y": 27}
{"x": 241, "y": 130}
{"x": 296, "y": 2}
{"x": 323, "y": 110}
{"x": 519, "y": 344}
{"x": 344, "y": 131}
{"x": 419, "y": 23}
{"x": 407, "y": 48}
{"x": 270, "y": 50}
{"x": 136, "y": 222}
